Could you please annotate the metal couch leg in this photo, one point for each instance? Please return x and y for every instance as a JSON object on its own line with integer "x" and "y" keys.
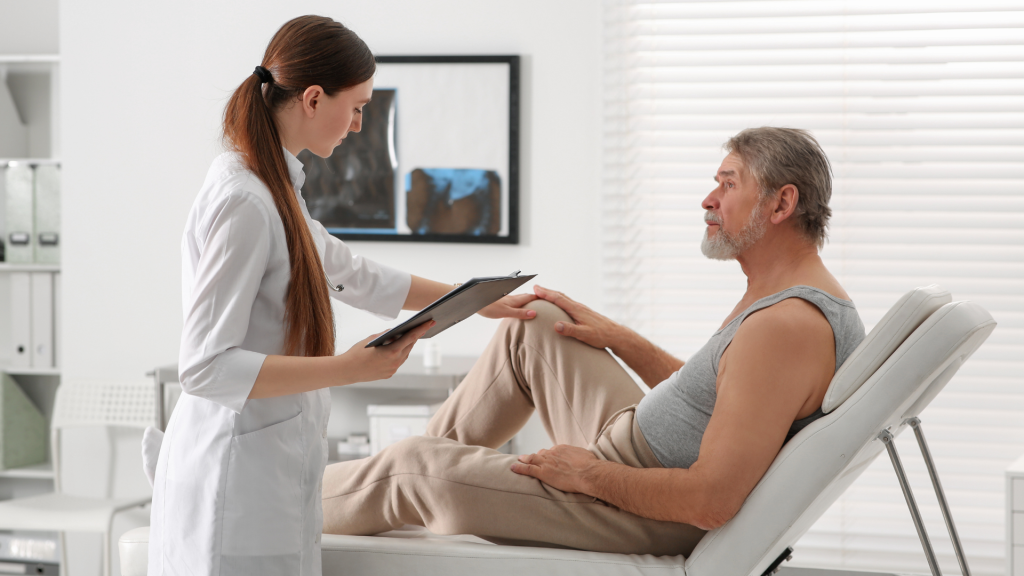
{"x": 886, "y": 437}
{"x": 915, "y": 423}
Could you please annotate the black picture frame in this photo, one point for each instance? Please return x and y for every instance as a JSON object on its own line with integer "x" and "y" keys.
{"x": 513, "y": 173}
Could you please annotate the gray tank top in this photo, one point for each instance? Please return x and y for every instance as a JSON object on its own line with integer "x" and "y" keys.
{"x": 674, "y": 415}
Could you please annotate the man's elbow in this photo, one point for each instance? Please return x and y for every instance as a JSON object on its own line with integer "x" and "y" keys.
{"x": 713, "y": 514}
{"x": 714, "y": 508}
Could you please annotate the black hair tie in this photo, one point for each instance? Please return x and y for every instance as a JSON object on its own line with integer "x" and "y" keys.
{"x": 263, "y": 74}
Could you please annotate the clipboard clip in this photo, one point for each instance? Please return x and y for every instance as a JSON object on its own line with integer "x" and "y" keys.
{"x": 515, "y": 274}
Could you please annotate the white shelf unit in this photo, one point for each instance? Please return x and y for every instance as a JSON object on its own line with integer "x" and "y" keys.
{"x": 1015, "y": 518}
{"x": 40, "y": 385}
{"x": 5, "y": 267}
{"x": 29, "y": 113}
{"x": 42, "y": 471}
{"x": 31, "y": 371}
{"x": 30, "y": 86}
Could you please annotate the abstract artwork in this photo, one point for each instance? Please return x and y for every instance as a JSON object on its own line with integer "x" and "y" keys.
{"x": 437, "y": 159}
{"x": 453, "y": 201}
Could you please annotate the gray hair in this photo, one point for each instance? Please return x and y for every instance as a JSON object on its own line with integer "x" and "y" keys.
{"x": 780, "y": 156}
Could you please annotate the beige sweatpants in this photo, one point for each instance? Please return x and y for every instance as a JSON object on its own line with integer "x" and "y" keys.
{"x": 453, "y": 481}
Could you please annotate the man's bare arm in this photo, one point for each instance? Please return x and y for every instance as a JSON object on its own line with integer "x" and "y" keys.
{"x": 775, "y": 371}
{"x": 649, "y": 361}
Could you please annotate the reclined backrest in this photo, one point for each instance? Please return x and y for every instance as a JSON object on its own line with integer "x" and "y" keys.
{"x": 892, "y": 330}
{"x": 817, "y": 465}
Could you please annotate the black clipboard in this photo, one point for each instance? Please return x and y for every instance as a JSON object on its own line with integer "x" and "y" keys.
{"x": 457, "y": 305}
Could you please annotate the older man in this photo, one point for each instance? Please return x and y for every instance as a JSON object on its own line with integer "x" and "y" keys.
{"x": 631, "y": 473}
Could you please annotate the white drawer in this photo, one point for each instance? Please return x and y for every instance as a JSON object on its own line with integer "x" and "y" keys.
{"x": 386, "y": 430}
{"x": 1018, "y": 494}
{"x": 1018, "y": 561}
{"x": 1018, "y": 528}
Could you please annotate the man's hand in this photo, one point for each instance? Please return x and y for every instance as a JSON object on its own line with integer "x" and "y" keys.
{"x": 562, "y": 467}
{"x": 589, "y": 327}
{"x": 510, "y": 307}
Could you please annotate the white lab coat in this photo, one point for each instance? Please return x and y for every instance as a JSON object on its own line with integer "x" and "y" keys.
{"x": 238, "y": 481}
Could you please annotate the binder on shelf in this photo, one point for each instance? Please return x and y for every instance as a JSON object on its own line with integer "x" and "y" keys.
{"x": 21, "y": 319}
{"x": 42, "y": 319}
{"x": 47, "y": 214}
{"x": 56, "y": 320}
{"x": 22, "y": 427}
{"x": 19, "y": 242}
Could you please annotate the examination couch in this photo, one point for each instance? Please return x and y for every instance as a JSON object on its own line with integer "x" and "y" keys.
{"x": 893, "y": 375}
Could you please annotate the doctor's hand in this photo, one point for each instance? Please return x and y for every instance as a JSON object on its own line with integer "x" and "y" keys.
{"x": 562, "y": 467}
{"x": 510, "y": 307}
{"x": 587, "y": 326}
{"x": 381, "y": 362}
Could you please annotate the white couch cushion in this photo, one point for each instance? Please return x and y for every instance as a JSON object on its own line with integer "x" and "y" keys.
{"x": 414, "y": 550}
{"x": 903, "y": 318}
{"x": 133, "y": 549}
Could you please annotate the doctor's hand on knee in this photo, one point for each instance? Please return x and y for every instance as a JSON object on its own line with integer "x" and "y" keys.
{"x": 510, "y": 306}
{"x": 381, "y": 362}
{"x": 587, "y": 326}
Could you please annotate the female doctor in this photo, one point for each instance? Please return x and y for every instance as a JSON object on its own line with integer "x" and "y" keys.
{"x": 237, "y": 487}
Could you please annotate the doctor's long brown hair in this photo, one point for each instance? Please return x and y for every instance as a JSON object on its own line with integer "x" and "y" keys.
{"x": 306, "y": 51}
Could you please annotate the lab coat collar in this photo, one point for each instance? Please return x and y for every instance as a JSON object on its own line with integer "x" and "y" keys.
{"x": 295, "y": 170}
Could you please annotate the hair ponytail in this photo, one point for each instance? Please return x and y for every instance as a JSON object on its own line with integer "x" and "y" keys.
{"x": 309, "y": 50}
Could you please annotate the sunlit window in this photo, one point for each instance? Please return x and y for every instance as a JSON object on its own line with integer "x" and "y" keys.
{"x": 920, "y": 107}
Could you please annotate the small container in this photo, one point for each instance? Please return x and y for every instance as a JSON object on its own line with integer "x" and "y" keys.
{"x": 391, "y": 423}
{"x": 431, "y": 354}
{"x": 356, "y": 446}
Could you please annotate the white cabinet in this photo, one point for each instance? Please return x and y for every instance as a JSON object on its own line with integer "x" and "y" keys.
{"x": 29, "y": 112}
{"x": 1015, "y": 518}
{"x": 29, "y": 133}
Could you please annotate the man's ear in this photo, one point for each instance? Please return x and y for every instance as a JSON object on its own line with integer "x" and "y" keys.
{"x": 785, "y": 203}
{"x": 311, "y": 98}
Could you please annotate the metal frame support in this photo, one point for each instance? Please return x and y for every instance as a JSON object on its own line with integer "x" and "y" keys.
{"x": 161, "y": 376}
{"x": 940, "y": 494}
{"x": 158, "y": 394}
{"x": 774, "y": 567}
{"x": 889, "y": 441}
{"x": 886, "y": 437}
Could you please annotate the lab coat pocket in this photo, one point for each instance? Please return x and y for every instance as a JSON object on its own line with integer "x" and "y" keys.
{"x": 263, "y": 496}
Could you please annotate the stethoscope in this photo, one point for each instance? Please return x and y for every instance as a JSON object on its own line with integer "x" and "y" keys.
{"x": 330, "y": 284}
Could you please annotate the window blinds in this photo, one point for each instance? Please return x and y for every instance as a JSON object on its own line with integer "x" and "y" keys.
{"x": 920, "y": 107}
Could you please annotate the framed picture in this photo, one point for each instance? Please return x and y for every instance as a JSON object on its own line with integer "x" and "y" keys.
{"x": 437, "y": 159}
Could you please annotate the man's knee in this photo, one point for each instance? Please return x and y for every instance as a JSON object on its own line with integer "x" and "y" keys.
{"x": 540, "y": 325}
{"x": 410, "y": 449}
{"x": 547, "y": 313}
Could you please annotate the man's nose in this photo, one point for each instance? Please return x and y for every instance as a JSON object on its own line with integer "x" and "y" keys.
{"x": 711, "y": 202}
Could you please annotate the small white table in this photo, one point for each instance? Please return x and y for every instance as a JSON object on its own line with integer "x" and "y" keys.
{"x": 1015, "y": 518}
{"x": 412, "y": 384}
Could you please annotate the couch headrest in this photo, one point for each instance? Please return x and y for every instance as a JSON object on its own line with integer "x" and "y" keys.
{"x": 902, "y": 319}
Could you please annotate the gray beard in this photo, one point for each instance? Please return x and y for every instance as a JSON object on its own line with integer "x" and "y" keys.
{"x": 725, "y": 246}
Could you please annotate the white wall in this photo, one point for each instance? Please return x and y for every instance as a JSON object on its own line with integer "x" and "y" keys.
{"x": 143, "y": 89}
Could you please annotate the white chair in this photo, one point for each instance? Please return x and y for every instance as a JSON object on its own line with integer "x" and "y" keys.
{"x": 892, "y": 376}
{"x": 76, "y": 405}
